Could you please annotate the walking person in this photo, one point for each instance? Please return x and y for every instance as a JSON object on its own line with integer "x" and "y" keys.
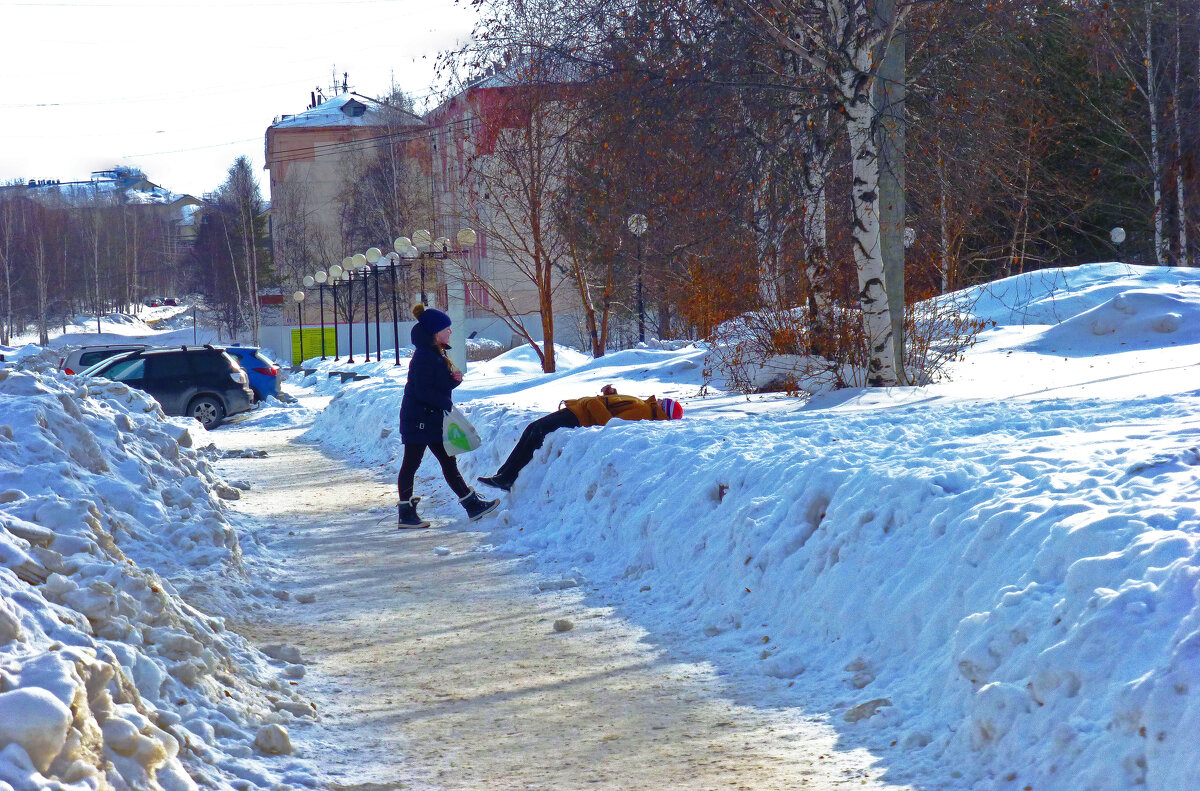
{"x": 431, "y": 378}
{"x": 578, "y": 412}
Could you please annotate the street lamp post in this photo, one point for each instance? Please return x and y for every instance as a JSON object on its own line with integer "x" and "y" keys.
{"x": 374, "y": 254}
{"x": 393, "y": 262}
{"x": 637, "y": 226}
{"x": 320, "y": 278}
{"x": 359, "y": 265}
{"x": 299, "y": 298}
{"x": 309, "y": 281}
{"x": 335, "y": 274}
{"x": 348, "y": 281}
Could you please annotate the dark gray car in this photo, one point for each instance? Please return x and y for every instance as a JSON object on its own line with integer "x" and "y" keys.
{"x": 198, "y": 381}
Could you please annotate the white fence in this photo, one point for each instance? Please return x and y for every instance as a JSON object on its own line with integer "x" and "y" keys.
{"x": 359, "y": 338}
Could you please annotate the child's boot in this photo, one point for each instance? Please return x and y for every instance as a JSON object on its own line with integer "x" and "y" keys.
{"x": 497, "y": 481}
{"x": 406, "y": 511}
{"x": 477, "y": 508}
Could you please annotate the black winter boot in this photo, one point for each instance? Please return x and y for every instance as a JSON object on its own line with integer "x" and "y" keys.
{"x": 476, "y": 507}
{"x": 497, "y": 481}
{"x": 406, "y": 511}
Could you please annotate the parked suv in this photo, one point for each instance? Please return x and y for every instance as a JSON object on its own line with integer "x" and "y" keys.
{"x": 199, "y": 381}
{"x": 263, "y": 372}
{"x": 87, "y": 356}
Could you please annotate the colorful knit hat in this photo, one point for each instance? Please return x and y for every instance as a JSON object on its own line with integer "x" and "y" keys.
{"x": 671, "y": 408}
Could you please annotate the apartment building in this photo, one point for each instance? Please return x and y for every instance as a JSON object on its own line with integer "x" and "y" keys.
{"x": 310, "y": 156}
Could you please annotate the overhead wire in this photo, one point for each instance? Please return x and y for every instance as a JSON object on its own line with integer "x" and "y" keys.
{"x": 362, "y": 143}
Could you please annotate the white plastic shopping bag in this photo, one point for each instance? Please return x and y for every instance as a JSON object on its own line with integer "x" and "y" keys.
{"x": 458, "y": 435}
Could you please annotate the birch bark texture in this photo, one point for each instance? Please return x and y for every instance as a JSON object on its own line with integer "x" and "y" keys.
{"x": 845, "y": 41}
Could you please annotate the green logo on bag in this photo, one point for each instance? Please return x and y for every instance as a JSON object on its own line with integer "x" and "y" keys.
{"x": 456, "y": 436}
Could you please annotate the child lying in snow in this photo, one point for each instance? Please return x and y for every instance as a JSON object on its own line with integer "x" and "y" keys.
{"x": 577, "y": 412}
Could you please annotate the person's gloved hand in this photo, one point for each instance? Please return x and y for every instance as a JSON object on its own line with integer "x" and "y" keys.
{"x": 608, "y": 390}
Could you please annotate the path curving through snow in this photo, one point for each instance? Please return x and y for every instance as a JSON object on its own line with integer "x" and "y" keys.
{"x": 435, "y": 664}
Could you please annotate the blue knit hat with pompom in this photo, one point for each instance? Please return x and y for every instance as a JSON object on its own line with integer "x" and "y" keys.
{"x": 431, "y": 319}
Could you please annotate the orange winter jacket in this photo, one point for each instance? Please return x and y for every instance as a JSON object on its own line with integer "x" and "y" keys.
{"x": 598, "y": 410}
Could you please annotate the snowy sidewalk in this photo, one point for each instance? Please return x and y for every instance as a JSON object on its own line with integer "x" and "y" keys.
{"x": 443, "y": 670}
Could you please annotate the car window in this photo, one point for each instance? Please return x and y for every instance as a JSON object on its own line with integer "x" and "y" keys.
{"x": 125, "y": 370}
{"x": 95, "y": 368}
{"x": 262, "y": 358}
{"x": 211, "y": 364}
{"x": 168, "y": 366}
{"x": 91, "y": 358}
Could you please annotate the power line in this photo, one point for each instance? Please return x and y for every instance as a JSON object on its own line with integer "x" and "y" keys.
{"x": 186, "y": 150}
{"x": 324, "y": 149}
{"x": 361, "y": 144}
{"x": 173, "y": 96}
{"x": 217, "y": 89}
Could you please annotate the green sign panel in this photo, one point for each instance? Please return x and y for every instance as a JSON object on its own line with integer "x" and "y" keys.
{"x": 312, "y": 344}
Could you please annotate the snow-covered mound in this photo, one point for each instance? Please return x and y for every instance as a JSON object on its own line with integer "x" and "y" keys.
{"x": 991, "y": 583}
{"x": 108, "y": 677}
{"x": 1131, "y": 319}
{"x": 1051, "y": 296}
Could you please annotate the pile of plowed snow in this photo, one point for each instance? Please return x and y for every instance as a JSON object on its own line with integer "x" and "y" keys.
{"x": 109, "y": 678}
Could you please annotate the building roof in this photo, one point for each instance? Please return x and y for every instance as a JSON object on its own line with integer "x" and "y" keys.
{"x": 348, "y": 109}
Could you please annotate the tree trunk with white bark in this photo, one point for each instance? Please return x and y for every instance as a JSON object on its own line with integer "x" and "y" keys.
{"x": 868, "y": 253}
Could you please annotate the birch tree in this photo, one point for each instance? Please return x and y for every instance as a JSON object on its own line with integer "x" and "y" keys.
{"x": 843, "y": 40}
{"x": 1176, "y": 101}
{"x": 1128, "y": 31}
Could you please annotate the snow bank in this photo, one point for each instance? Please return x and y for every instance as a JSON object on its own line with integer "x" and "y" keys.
{"x": 108, "y": 677}
{"x": 1051, "y": 296}
{"x": 989, "y": 591}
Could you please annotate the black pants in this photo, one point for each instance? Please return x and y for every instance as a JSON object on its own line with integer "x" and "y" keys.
{"x": 532, "y": 439}
{"x": 413, "y": 453}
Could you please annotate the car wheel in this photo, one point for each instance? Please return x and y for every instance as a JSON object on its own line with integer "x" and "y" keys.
{"x": 208, "y": 410}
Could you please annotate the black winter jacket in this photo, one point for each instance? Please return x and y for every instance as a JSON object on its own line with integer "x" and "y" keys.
{"x": 427, "y": 392}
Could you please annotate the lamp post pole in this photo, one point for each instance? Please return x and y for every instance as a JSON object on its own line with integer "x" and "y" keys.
{"x": 348, "y": 276}
{"x": 299, "y": 298}
{"x": 335, "y": 274}
{"x": 422, "y": 239}
{"x": 309, "y": 281}
{"x": 365, "y": 273}
{"x": 370, "y": 268}
{"x": 321, "y": 277}
{"x": 357, "y": 263}
{"x": 394, "y": 261}
{"x": 378, "y": 341}
{"x": 637, "y": 226}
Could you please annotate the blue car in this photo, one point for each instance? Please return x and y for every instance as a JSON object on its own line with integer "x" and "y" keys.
{"x": 263, "y": 372}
